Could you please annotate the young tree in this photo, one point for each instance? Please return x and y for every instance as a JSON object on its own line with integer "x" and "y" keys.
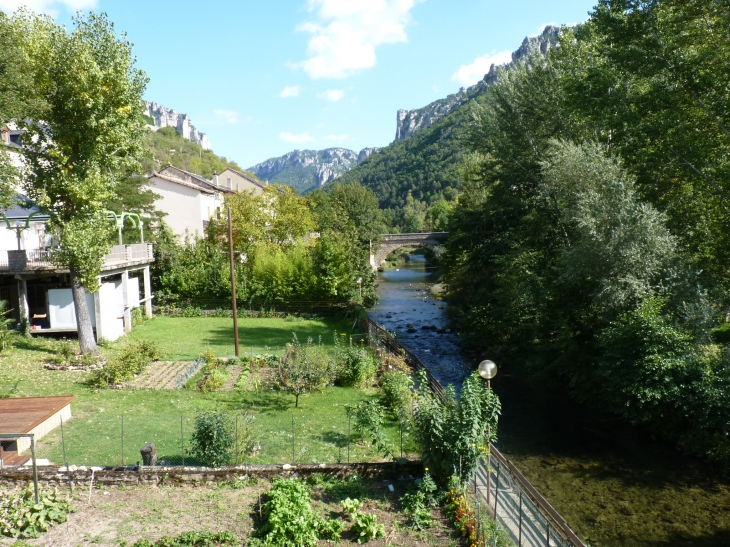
{"x": 88, "y": 135}
{"x": 303, "y": 369}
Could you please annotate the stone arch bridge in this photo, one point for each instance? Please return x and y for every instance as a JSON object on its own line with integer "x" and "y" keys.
{"x": 391, "y": 242}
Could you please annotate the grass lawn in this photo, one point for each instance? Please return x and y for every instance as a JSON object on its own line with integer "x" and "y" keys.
{"x": 94, "y": 435}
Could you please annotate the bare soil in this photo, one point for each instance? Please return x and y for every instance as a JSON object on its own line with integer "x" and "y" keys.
{"x": 234, "y": 372}
{"x": 160, "y": 375}
{"x": 117, "y": 515}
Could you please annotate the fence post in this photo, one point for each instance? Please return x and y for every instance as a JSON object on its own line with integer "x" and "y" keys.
{"x": 122, "y": 440}
{"x": 496, "y": 490}
{"x": 348, "y": 438}
{"x": 182, "y": 442}
{"x": 65, "y": 460}
{"x": 401, "y": 436}
{"x": 519, "y": 527}
{"x": 236, "y": 459}
{"x": 35, "y": 470}
{"x": 547, "y": 535}
{"x": 293, "y": 458}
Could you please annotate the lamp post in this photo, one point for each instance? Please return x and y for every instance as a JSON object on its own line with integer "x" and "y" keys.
{"x": 359, "y": 285}
{"x": 488, "y": 370}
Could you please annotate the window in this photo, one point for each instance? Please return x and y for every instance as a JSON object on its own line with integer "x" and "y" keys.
{"x": 228, "y": 181}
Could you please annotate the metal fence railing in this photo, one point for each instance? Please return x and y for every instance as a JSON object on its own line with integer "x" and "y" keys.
{"x": 518, "y": 507}
{"x": 221, "y": 307}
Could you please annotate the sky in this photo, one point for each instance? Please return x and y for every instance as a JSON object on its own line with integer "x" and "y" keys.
{"x": 264, "y": 77}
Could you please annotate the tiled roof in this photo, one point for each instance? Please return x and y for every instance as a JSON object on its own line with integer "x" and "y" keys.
{"x": 181, "y": 182}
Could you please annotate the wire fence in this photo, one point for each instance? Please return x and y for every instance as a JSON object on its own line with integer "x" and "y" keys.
{"x": 221, "y": 307}
{"x": 109, "y": 440}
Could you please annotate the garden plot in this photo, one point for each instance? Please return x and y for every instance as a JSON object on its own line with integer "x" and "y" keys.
{"x": 161, "y": 375}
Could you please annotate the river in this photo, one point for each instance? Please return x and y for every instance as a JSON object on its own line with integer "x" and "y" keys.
{"x": 613, "y": 483}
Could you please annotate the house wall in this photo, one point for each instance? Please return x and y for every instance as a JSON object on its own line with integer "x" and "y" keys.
{"x": 184, "y": 207}
{"x": 31, "y": 239}
{"x": 238, "y": 183}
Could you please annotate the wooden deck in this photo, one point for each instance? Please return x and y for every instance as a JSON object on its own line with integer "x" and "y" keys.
{"x": 29, "y": 415}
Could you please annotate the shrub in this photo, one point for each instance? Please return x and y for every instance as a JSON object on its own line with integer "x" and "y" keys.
{"x": 213, "y": 439}
{"x": 21, "y": 517}
{"x": 356, "y": 367}
{"x": 290, "y": 519}
{"x": 368, "y": 420}
{"x": 395, "y": 392}
{"x": 132, "y": 360}
{"x": 416, "y": 504}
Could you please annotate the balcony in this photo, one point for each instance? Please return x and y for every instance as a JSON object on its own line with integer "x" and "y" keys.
{"x": 39, "y": 261}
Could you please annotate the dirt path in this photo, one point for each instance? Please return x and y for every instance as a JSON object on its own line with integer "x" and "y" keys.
{"x": 233, "y": 373}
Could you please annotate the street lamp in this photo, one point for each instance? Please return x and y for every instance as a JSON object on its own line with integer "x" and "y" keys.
{"x": 359, "y": 285}
{"x": 488, "y": 370}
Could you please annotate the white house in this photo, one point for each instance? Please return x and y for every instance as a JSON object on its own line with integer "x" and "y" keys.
{"x": 238, "y": 181}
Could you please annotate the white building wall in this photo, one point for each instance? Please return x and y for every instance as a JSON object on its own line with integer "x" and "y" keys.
{"x": 184, "y": 206}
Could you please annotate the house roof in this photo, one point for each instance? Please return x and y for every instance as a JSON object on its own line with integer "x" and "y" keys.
{"x": 181, "y": 182}
{"x": 245, "y": 176}
{"x": 192, "y": 178}
{"x": 22, "y": 209}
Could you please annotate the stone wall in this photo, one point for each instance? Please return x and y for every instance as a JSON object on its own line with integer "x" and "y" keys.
{"x": 58, "y": 476}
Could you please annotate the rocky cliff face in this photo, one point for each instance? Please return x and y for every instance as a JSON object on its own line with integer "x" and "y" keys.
{"x": 410, "y": 121}
{"x": 308, "y": 169}
{"x": 169, "y": 117}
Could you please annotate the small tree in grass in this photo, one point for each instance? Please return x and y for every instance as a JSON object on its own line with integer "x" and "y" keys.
{"x": 303, "y": 369}
{"x": 213, "y": 440}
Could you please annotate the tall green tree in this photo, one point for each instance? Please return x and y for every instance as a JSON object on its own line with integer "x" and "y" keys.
{"x": 88, "y": 136}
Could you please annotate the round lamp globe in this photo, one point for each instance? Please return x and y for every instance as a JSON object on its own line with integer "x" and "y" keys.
{"x": 487, "y": 369}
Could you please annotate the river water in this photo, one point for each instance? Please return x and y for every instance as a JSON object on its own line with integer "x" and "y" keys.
{"x": 613, "y": 483}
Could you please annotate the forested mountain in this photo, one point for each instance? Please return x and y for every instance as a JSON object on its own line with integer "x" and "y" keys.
{"x": 421, "y": 168}
{"x": 305, "y": 170}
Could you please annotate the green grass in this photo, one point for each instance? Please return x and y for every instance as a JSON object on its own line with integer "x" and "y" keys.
{"x": 184, "y": 338}
{"x": 93, "y": 436}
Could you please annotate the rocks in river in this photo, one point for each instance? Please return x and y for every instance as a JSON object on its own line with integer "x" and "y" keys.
{"x": 425, "y": 327}
{"x": 434, "y": 327}
{"x": 409, "y": 325}
{"x": 411, "y": 329}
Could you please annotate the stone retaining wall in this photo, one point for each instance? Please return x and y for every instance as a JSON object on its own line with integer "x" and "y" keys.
{"x": 58, "y": 476}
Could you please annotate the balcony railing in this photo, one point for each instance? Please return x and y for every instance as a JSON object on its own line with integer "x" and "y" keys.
{"x": 18, "y": 261}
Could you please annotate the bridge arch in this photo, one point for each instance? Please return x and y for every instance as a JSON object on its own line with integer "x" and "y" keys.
{"x": 391, "y": 242}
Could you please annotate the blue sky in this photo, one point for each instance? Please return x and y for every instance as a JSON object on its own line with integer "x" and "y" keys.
{"x": 264, "y": 77}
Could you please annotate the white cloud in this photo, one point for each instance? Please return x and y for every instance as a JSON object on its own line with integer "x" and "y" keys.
{"x": 290, "y": 137}
{"x": 472, "y": 73}
{"x": 231, "y": 117}
{"x": 331, "y": 95}
{"x": 290, "y": 91}
{"x": 344, "y": 137}
{"x": 50, "y": 7}
{"x": 345, "y": 34}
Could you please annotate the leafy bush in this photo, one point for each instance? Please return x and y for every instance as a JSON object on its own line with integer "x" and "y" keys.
{"x": 356, "y": 367}
{"x": 303, "y": 369}
{"x": 368, "y": 419}
{"x": 395, "y": 391}
{"x": 290, "y": 519}
{"x": 350, "y": 506}
{"x": 192, "y": 539}
{"x": 213, "y": 439}
{"x": 21, "y": 517}
{"x": 132, "y": 360}
{"x": 349, "y": 487}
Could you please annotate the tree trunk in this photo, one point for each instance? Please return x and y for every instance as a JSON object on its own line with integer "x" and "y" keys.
{"x": 83, "y": 319}
{"x": 296, "y": 400}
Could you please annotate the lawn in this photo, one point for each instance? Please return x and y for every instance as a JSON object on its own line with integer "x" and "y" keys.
{"x": 94, "y": 436}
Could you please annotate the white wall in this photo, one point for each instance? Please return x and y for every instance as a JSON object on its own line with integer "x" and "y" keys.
{"x": 183, "y": 206}
{"x": 238, "y": 183}
{"x": 61, "y": 309}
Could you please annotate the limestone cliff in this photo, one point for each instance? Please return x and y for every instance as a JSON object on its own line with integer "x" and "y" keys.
{"x": 308, "y": 169}
{"x": 410, "y": 121}
{"x": 168, "y": 117}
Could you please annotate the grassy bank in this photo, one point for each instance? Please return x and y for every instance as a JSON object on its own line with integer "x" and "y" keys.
{"x": 94, "y": 435}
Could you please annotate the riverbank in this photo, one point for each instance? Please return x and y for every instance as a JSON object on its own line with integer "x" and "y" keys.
{"x": 613, "y": 483}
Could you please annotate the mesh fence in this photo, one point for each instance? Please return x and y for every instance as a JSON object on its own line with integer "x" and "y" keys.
{"x": 109, "y": 440}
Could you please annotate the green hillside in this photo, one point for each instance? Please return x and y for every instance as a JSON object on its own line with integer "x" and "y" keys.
{"x": 299, "y": 177}
{"x": 426, "y": 164}
{"x": 167, "y": 146}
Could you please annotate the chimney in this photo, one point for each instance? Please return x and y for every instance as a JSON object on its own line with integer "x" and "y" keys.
{"x": 6, "y": 134}
{"x": 215, "y": 178}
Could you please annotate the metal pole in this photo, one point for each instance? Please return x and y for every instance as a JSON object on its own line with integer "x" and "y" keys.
{"x": 35, "y": 469}
{"x": 122, "y": 440}
{"x": 182, "y": 442}
{"x": 519, "y": 527}
{"x": 489, "y": 453}
{"x": 547, "y": 536}
{"x": 496, "y": 490}
{"x": 292, "y": 440}
{"x": 236, "y": 461}
{"x": 348, "y": 438}
{"x": 65, "y": 460}
{"x": 233, "y": 282}
{"x": 401, "y": 436}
